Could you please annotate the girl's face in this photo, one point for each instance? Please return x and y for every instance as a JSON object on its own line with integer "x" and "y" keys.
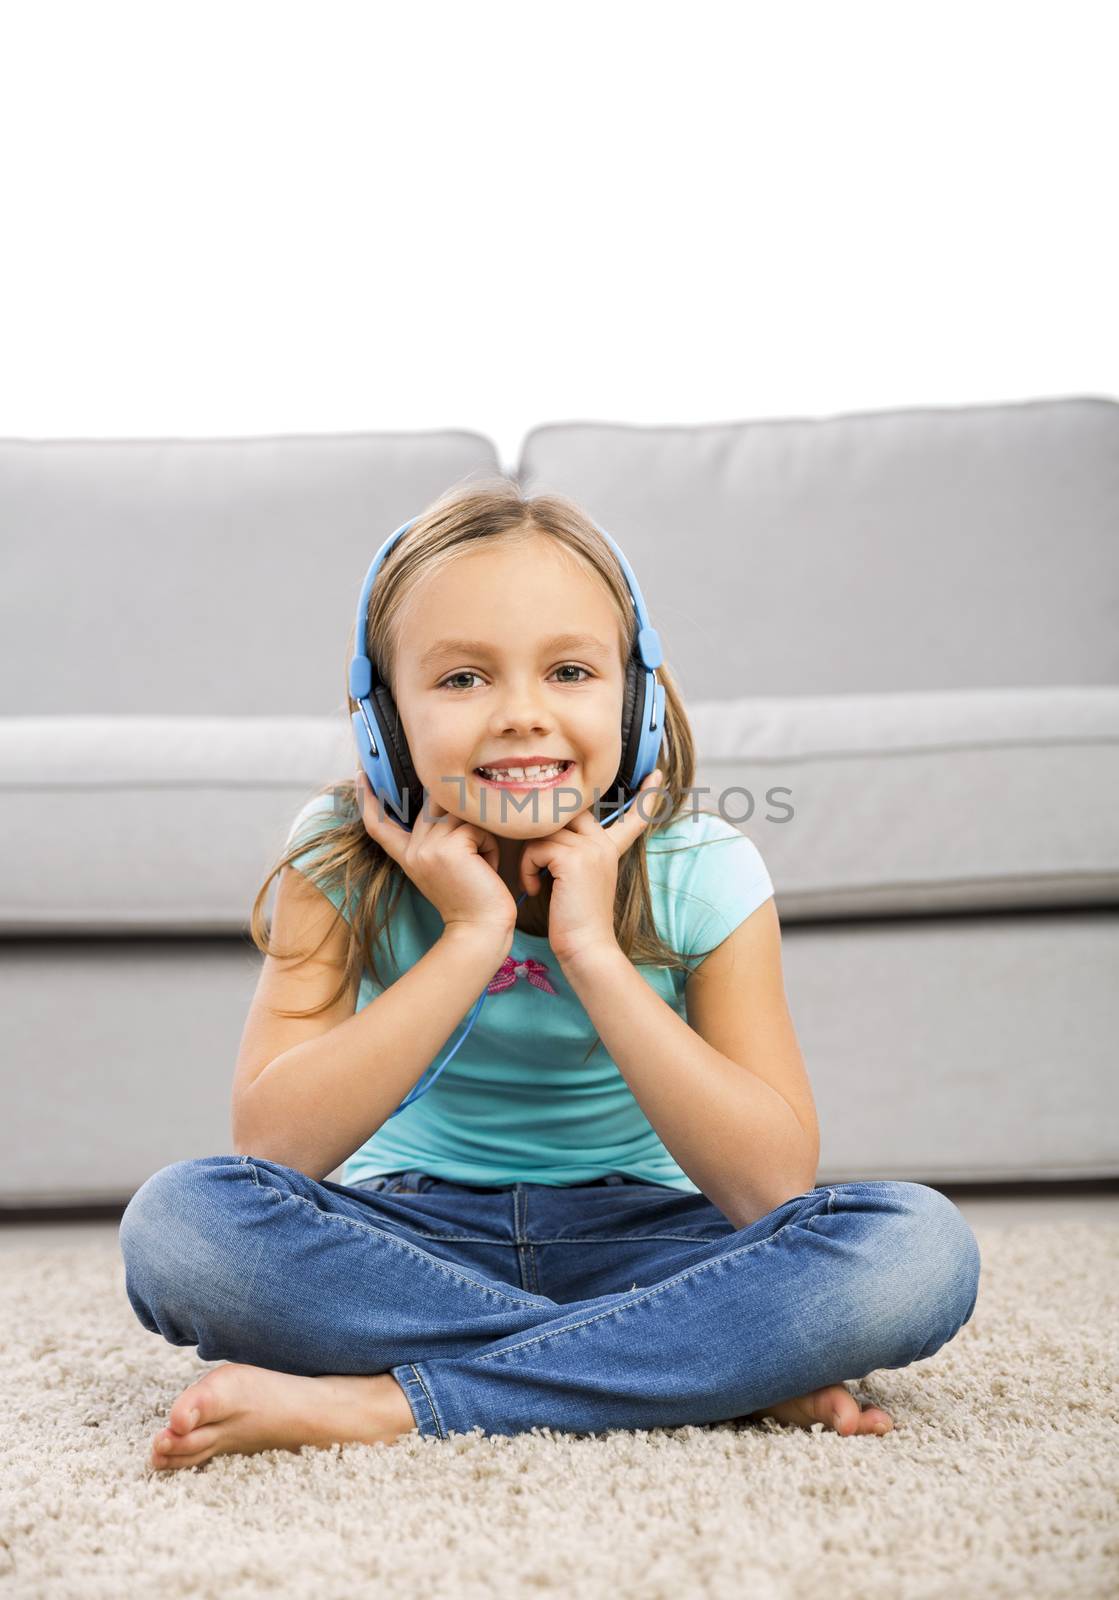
{"x": 483, "y": 676}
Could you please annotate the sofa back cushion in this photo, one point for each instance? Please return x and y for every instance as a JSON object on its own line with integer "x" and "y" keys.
{"x": 967, "y": 547}
{"x": 200, "y": 576}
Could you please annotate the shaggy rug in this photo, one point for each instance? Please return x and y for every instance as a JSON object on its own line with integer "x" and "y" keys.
{"x": 999, "y": 1478}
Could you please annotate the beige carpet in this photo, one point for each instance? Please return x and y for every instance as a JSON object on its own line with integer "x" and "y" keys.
{"x": 999, "y": 1479}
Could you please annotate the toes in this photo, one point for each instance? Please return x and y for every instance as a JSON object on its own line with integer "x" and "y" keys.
{"x": 173, "y": 1441}
{"x": 837, "y": 1406}
{"x": 170, "y": 1450}
{"x": 173, "y": 1463}
{"x": 178, "y": 1445}
{"x": 187, "y": 1411}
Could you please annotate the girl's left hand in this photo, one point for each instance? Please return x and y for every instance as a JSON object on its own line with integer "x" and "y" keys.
{"x": 583, "y": 861}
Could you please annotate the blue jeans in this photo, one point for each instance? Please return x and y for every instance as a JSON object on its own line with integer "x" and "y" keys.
{"x": 613, "y": 1304}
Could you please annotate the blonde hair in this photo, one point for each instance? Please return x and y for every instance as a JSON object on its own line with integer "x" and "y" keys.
{"x": 490, "y": 513}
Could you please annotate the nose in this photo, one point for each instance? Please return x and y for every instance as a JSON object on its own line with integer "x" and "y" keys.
{"x": 521, "y": 711}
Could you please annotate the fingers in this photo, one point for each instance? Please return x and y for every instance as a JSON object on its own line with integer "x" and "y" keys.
{"x": 654, "y": 804}
{"x": 380, "y": 827}
{"x": 644, "y": 809}
{"x": 488, "y": 846}
{"x": 378, "y": 817}
{"x": 633, "y": 822}
{"x": 530, "y": 871}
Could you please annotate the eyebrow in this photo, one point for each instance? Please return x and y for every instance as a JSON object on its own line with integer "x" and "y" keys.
{"x": 559, "y": 641}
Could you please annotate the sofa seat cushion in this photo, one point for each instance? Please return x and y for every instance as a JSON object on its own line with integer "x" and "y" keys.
{"x": 910, "y": 803}
{"x": 117, "y": 824}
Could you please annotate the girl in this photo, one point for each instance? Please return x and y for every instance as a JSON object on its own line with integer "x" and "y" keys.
{"x": 480, "y": 1266}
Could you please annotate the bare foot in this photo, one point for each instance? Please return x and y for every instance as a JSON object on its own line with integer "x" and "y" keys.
{"x": 243, "y": 1410}
{"x": 835, "y": 1406}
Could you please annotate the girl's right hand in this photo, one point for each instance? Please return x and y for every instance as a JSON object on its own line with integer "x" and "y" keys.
{"x": 454, "y": 864}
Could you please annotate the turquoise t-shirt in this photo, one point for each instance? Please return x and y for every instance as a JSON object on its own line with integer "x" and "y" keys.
{"x": 517, "y": 1103}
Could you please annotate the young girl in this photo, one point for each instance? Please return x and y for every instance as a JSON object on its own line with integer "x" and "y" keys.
{"x": 602, "y": 1211}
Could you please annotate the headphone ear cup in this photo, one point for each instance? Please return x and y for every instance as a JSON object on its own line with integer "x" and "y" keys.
{"x": 631, "y": 732}
{"x": 399, "y": 757}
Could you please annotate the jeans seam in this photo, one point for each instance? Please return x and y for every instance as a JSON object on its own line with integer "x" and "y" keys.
{"x": 647, "y": 1294}
{"x": 436, "y": 1418}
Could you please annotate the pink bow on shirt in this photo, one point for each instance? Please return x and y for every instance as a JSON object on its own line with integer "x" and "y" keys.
{"x": 509, "y": 971}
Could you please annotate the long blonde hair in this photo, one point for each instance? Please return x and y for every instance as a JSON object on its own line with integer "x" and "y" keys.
{"x": 490, "y": 512}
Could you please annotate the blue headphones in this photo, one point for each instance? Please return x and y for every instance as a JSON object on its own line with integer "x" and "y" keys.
{"x": 383, "y": 749}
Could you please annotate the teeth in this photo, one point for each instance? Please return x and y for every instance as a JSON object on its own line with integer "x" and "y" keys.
{"x": 521, "y": 774}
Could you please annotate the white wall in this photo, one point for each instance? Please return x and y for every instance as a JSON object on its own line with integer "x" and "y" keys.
{"x": 226, "y": 216}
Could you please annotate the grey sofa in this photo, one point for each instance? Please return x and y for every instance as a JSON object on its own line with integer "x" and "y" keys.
{"x": 898, "y": 636}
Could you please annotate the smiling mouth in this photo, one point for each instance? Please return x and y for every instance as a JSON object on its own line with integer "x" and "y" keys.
{"x": 547, "y": 782}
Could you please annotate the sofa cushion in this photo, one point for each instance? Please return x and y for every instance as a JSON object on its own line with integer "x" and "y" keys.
{"x": 165, "y": 824}
{"x": 965, "y": 547}
{"x": 879, "y": 804}
{"x": 905, "y": 803}
{"x": 200, "y": 576}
